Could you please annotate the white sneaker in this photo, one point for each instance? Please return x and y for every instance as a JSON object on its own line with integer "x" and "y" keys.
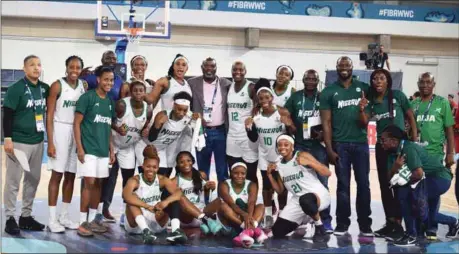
{"x": 310, "y": 230}
{"x": 55, "y": 227}
{"x": 67, "y": 223}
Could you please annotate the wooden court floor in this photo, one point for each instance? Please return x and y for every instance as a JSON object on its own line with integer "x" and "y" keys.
{"x": 448, "y": 201}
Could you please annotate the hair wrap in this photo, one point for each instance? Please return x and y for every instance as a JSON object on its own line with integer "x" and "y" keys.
{"x": 237, "y": 164}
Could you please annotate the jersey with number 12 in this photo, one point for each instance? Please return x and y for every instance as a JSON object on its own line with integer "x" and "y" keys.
{"x": 239, "y": 108}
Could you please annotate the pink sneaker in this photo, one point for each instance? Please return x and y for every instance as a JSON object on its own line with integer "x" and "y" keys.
{"x": 237, "y": 242}
{"x": 246, "y": 238}
{"x": 259, "y": 235}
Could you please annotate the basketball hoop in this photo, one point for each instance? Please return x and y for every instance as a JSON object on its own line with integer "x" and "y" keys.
{"x": 133, "y": 34}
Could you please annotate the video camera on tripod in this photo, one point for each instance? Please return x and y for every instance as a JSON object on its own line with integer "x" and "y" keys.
{"x": 370, "y": 58}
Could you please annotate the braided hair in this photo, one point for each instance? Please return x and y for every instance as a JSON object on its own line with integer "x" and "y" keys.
{"x": 195, "y": 175}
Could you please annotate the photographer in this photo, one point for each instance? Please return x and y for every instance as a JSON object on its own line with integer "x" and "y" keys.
{"x": 380, "y": 58}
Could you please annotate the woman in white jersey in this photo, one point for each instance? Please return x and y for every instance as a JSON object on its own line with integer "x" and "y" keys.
{"x": 63, "y": 95}
{"x": 298, "y": 174}
{"x": 281, "y": 86}
{"x": 269, "y": 121}
{"x": 149, "y": 204}
{"x": 195, "y": 212}
{"x": 239, "y": 210}
{"x": 130, "y": 126}
{"x": 168, "y": 127}
{"x": 139, "y": 65}
{"x": 240, "y": 105}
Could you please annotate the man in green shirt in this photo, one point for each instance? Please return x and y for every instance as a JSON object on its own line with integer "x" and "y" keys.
{"x": 302, "y": 105}
{"x": 437, "y": 181}
{"x": 23, "y": 125}
{"x": 346, "y": 143}
{"x": 434, "y": 119}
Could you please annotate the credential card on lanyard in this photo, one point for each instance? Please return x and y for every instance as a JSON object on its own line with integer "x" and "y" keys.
{"x": 307, "y": 120}
{"x": 207, "y": 111}
{"x": 39, "y": 122}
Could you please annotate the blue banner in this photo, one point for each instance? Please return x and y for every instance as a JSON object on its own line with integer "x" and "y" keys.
{"x": 326, "y": 9}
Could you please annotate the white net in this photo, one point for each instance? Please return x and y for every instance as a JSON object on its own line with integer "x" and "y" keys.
{"x": 133, "y": 35}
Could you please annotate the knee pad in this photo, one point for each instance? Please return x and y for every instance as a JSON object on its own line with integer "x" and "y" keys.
{"x": 308, "y": 203}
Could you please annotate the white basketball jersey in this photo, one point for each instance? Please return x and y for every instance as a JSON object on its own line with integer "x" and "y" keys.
{"x": 239, "y": 108}
{"x": 149, "y": 193}
{"x": 188, "y": 190}
{"x": 268, "y": 128}
{"x": 167, "y": 101}
{"x": 171, "y": 131}
{"x": 243, "y": 195}
{"x": 299, "y": 180}
{"x": 65, "y": 104}
{"x": 281, "y": 99}
{"x": 134, "y": 124}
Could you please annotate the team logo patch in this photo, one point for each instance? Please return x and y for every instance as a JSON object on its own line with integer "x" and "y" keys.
{"x": 358, "y": 89}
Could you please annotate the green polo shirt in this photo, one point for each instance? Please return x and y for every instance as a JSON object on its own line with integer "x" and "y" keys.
{"x": 21, "y": 101}
{"x": 301, "y": 107}
{"x": 97, "y": 120}
{"x": 380, "y": 110}
{"x": 432, "y": 124}
{"x": 344, "y": 105}
{"x": 417, "y": 156}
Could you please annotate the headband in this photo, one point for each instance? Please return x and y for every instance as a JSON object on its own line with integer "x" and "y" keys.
{"x": 138, "y": 57}
{"x": 287, "y": 67}
{"x": 237, "y": 164}
{"x": 265, "y": 89}
{"x": 181, "y": 57}
{"x": 286, "y": 137}
{"x": 183, "y": 102}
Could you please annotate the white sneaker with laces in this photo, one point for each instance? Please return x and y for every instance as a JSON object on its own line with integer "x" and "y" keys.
{"x": 67, "y": 223}
{"x": 309, "y": 231}
{"x": 55, "y": 227}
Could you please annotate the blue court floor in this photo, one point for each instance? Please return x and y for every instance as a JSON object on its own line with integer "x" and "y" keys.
{"x": 117, "y": 241}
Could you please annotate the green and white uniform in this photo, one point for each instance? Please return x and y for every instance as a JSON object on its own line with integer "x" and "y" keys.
{"x": 149, "y": 193}
{"x": 63, "y": 138}
{"x": 268, "y": 129}
{"x": 281, "y": 99}
{"x": 344, "y": 106}
{"x": 125, "y": 145}
{"x": 432, "y": 123}
{"x": 166, "y": 142}
{"x": 187, "y": 187}
{"x": 167, "y": 101}
{"x": 300, "y": 180}
{"x": 95, "y": 133}
{"x": 240, "y": 108}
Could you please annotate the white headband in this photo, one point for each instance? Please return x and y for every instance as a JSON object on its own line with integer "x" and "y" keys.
{"x": 286, "y": 137}
{"x": 265, "y": 89}
{"x": 181, "y": 57}
{"x": 139, "y": 57}
{"x": 237, "y": 164}
{"x": 183, "y": 102}
{"x": 286, "y": 67}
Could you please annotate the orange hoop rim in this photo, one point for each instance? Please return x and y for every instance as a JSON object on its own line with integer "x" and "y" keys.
{"x": 134, "y": 31}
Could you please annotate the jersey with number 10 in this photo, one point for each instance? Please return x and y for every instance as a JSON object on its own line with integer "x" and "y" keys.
{"x": 239, "y": 108}
{"x": 268, "y": 129}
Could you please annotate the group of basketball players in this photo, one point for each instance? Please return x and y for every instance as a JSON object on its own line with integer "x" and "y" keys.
{"x": 263, "y": 117}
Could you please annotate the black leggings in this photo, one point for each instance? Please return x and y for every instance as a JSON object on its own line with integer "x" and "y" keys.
{"x": 389, "y": 199}
{"x": 282, "y": 227}
{"x": 165, "y": 172}
{"x": 251, "y": 167}
{"x": 173, "y": 209}
{"x": 126, "y": 173}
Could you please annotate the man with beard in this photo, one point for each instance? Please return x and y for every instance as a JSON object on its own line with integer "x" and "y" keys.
{"x": 210, "y": 94}
{"x": 302, "y": 105}
{"x": 116, "y": 93}
{"x": 346, "y": 144}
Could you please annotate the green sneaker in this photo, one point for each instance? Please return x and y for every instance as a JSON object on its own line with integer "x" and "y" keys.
{"x": 204, "y": 228}
{"x": 148, "y": 236}
{"x": 214, "y": 226}
{"x": 178, "y": 236}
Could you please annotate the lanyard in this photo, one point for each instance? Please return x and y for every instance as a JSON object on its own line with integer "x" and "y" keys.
{"x": 425, "y": 113}
{"x": 31, "y": 96}
{"x": 215, "y": 92}
{"x": 313, "y": 106}
{"x": 402, "y": 142}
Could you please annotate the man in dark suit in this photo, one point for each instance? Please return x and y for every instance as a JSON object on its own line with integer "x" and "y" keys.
{"x": 209, "y": 99}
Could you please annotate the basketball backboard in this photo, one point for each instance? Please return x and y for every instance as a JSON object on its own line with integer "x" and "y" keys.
{"x": 149, "y": 17}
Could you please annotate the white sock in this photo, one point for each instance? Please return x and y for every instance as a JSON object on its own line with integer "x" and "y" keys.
{"x": 92, "y": 214}
{"x": 175, "y": 224}
{"x": 65, "y": 209}
{"x": 52, "y": 214}
{"x": 201, "y": 216}
{"x": 318, "y": 222}
{"x": 255, "y": 223}
{"x": 83, "y": 217}
{"x": 141, "y": 222}
{"x": 243, "y": 225}
{"x": 268, "y": 211}
{"x": 100, "y": 207}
